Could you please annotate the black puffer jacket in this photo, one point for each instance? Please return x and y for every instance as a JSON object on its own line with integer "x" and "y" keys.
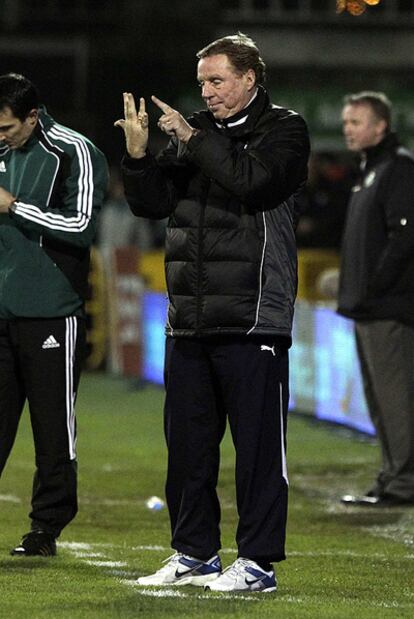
{"x": 230, "y": 247}
{"x": 377, "y": 260}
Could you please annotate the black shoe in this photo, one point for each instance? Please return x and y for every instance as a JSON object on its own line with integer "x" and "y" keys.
{"x": 374, "y": 500}
{"x": 36, "y": 543}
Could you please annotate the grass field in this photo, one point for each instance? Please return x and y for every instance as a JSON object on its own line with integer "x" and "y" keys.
{"x": 342, "y": 562}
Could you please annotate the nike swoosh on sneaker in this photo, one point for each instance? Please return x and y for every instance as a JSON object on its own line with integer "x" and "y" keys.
{"x": 186, "y": 572}
{"x": 253, "y": 582}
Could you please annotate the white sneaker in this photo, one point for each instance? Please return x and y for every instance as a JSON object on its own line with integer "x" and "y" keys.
{"x": 244, "y": 575}
{"x": 181, "y": 569}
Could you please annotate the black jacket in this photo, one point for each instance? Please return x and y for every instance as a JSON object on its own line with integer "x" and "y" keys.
{"x": 230, "y": 246}
{"x": 377, "y": 262}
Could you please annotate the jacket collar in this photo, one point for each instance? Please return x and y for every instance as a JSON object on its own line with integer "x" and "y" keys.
{"x": 231, "y": 125}
{"x": 44, "y": 123}
{"x": 386, "y": 147}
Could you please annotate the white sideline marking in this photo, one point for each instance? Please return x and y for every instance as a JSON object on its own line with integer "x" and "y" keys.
{"x": 157, "y": 593}
{"x": 173, "y": 593}
{"x": 87, "y": 555}
{"x": 10, "y": 498}
{"x": 160, "y": 548}
{"x": 123, "y": 574}
{"x": 75, "y": 545}
{"x": 84, "y": 546}
{"x": 107, "y": 563}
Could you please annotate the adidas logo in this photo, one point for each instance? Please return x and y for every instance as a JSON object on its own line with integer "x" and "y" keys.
{"x": 50, "y": 342}
{"x": 2, "y": 166}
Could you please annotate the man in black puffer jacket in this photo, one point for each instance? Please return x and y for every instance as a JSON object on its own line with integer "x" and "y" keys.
{"x": 226, "y": 181}
{"x": 376, "y": 289}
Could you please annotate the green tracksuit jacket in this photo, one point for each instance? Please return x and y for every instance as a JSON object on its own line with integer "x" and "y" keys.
{"x": 59, "y": 179}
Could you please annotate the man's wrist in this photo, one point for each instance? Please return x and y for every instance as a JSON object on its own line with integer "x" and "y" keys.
{"x": 129, "y": 164}
{"x": 8, "y": 207}
{"x": 136, "y": 154}
{"x": 191, "y": 134}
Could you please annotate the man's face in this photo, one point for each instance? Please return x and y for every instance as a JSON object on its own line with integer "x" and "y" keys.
{"x": 224, "y": 91}
{"x": 13, "y": 131}
{"x": 361, "y": 127}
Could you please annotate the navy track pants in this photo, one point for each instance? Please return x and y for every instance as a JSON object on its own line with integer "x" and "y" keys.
{"x": 244, "y": 380}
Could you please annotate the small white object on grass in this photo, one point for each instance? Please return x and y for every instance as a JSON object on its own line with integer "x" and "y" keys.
{"x": 155, "y": 503}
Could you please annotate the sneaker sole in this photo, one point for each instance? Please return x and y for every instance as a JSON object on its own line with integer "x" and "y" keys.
{"x": 197, "y": 581}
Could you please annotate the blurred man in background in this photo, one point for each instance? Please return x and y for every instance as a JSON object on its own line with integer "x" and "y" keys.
{"x": 226, "y": 181}
{"x": 52, "y": 184}
{"x": 376, "y": 289}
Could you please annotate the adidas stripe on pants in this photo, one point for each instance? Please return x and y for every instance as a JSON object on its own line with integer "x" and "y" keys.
{"x": 40, "y": 361}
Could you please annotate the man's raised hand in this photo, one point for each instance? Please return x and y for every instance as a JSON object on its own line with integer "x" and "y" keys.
{"x": 135, "y": 126}
{"x": 171, "y": 121}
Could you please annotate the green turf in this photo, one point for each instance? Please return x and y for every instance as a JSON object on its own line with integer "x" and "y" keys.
{"x": 342, "y": 562}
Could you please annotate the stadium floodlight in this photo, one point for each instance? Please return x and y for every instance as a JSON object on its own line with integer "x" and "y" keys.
{"x": 355, "y": 7}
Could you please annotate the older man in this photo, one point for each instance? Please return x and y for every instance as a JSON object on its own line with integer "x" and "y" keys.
{"x": 226, "y": 181}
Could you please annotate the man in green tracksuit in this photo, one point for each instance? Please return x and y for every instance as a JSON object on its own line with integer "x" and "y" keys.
{"x": 52, "y": 184}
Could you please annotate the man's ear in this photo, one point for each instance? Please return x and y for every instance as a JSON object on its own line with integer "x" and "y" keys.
{"x": 381, "y": 128}
{"x": 251, "y": 78}
{"x": 32, "y": 117}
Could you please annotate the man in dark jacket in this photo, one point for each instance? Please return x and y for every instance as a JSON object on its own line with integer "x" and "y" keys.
{"x": 226, "y": 181}
{"x": 52, "y": 183}
{"x": 376, "y": 289}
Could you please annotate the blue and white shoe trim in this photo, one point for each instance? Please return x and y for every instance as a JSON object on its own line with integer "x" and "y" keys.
{"x": 181, "y": 569}
{"x": 244, "y": 575}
